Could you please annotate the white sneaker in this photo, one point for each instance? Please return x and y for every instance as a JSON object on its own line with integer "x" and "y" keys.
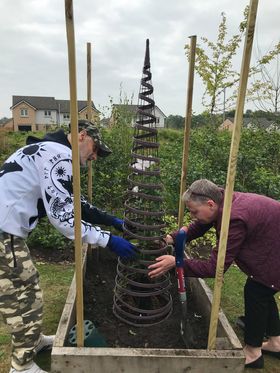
{"x": 45, "y": 343}
{"x": 32, "y": 369}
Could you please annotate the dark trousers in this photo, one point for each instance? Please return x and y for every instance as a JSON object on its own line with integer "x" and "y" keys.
{"x": 261, "y": 313}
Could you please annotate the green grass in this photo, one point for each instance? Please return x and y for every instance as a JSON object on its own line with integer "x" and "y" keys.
{"x": 55, "y": 281}
{"x": 232, "y": 293}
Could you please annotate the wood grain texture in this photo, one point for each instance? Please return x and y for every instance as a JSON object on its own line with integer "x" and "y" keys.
{"x": 238, "y": 120}
{"x": 187, "y": 129}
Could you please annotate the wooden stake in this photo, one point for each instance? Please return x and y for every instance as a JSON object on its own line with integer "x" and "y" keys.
{"x": 89, "y": 115}
{"x": 69, "y": 17}
{"x": 238, "y": 119}
{"x": 188, "y": 120}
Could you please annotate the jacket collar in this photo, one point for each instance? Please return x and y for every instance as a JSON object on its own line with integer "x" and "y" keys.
{"x": 58, "y": 136}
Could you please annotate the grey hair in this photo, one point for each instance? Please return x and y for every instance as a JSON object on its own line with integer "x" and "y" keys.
{"x": 201, "y": 191}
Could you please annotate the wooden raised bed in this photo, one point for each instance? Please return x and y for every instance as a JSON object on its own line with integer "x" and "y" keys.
{"x": 228, "y": 357}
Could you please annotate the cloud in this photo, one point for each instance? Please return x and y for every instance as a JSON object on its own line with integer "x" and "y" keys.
{"x": 34, "y": 48}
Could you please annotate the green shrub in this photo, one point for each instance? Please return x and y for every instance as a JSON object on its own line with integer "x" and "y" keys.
{"x": 257, "y": 170}
{"x": 45, "y": 235}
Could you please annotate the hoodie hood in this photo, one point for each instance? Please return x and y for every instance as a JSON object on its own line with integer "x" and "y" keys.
{"x": 58, "y": 136}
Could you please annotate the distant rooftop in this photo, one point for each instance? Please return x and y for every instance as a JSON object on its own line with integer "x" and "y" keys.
{"x": 133, "y": 108}
{"x": 258, "y": 121}
{"x": 49, "y": 103}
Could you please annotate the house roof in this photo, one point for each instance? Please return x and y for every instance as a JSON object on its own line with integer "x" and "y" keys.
{"x": 133, "y": 108}
{"x": 63, "y": 106}
{"x": 49, "y": 103}
{"x": 38, "y": 102}
{"x": 259, "y": 122}
{"x": 4, "y": 120}
{"x": 104, "y": 122}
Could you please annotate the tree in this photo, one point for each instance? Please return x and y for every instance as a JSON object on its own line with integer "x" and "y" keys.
{"x": 175, "y": 121}
{"x": 205, "y": 119}
{"x": 264, "y": 90}
{"x": 215, "y": 67}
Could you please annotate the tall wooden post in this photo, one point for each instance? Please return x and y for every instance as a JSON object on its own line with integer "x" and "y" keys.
{"x": 238, "y": 119}
{"x": 69, "y": 17}
{"x": 89, "y": 115}
{"x": 188, "y": 120}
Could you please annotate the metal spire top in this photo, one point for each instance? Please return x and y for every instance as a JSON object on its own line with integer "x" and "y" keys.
{"x": 147, "y": 63}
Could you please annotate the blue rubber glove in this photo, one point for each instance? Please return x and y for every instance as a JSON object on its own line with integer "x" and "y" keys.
{"x": 118, "y": 224}
{"x": 180, "y": 242}
{"x": 121, "y": 247}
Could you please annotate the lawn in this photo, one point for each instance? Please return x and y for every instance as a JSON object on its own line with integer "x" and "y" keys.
{"x": 56, "y": 278}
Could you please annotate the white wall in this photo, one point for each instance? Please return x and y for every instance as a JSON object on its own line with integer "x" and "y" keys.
{"x": 159, "y": 115}
{"x": 63, "y": 121}
{"x": 40, "y": 117}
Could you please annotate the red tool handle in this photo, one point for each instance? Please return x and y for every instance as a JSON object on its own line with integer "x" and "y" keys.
{"x": 181, "y": 284}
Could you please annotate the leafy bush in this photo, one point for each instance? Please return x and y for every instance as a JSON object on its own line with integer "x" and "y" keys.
{"x": 110, "y": 174}
{"x": 45, "y": 235}
{"x": 257, "y": 171}
{"x": 208, "y": 241}
{"x": 257, "y": 168}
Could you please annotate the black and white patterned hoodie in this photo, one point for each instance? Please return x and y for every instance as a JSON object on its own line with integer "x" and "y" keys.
{"x": 37, "y": 180}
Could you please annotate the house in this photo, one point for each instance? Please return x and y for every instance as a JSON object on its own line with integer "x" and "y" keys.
{"x": 130, "y": 112}
{"x": 226, "y": 125}
{"x": 250, "y": 123}
{"x": 35, "y": 113}
{"x": 7, "y": 124}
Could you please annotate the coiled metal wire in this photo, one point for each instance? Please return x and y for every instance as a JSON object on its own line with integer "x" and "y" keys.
{"x": 138, "y": 300}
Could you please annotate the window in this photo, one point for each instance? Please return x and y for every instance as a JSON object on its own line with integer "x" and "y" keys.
{"x": 157, "y": 119}
{"x": 47, "y": 113}
{"x": 66, "y": 116}
{"x": 23, "y": 112}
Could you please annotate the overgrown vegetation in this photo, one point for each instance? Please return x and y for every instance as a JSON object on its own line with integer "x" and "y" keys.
{"x": 258, "y": 168}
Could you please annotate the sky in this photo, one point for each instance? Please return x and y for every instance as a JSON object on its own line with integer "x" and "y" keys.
{"x": 34, "y": 59}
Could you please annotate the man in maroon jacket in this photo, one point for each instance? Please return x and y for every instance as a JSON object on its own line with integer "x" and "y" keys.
{"x": 253, "y": 244}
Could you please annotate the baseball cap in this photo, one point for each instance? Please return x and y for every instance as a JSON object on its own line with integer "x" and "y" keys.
{"x": 93, "y": 131}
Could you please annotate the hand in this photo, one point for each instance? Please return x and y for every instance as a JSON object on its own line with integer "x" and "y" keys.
{"x": 118, "y": 224}
{"x": 163, "y": 264}
{"x": 121, "y": 247}
{"x": 169, "y": 240}
{"x": 180, "y": 242}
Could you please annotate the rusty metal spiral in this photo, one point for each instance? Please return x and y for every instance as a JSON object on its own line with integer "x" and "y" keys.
{"x": 138, "y": 300}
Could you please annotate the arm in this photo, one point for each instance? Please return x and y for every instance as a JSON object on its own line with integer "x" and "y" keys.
{"x": 94, "y": 215}
{"x": 207, "y": 268}
{"x": 194, "y": 231}
{"x": 55, "y": 175}
{"x": 166, "y": 262}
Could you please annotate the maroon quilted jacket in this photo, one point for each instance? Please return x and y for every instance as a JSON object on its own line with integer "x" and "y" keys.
{"x": 253, "y": 240}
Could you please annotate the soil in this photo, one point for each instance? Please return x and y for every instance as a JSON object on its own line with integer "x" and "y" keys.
{"x": 98, "y": 303}
{"x": 51, "y": 255}
{"x": 98, "y": 306}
